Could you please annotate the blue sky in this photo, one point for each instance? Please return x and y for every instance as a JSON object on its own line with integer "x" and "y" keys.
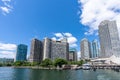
{"x": 22, "y": 20}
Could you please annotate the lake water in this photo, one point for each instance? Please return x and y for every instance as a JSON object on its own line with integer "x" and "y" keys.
{"x": 7, "y": 73}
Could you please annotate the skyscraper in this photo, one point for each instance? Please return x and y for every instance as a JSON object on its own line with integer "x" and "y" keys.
{"x": 109, "y": 38}
{"x": 21, "y": 52}
{"x": 85, "y": 49}
{"x": 55, "y": 49}
{"x": 36, "y": 54}
{"x": 95, "y": 49}
{"x": 47, "y": 48}
{"x": 72, "y": 54}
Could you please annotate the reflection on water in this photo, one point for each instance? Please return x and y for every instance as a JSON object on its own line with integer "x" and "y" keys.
{"x": 37, "y": 74}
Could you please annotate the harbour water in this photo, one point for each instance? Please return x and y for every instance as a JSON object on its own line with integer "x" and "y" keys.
{"x": 9, "y": 73}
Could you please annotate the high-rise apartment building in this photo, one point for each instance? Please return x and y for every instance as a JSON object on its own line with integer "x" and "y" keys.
{"x": 95, "y": 49}
{"x": 48, "y": 49}
{"x": 21, "y": 52}
{"x": 36, "y": 54}
{"x": 109, "y": 38}
{"x": 85, "y": 49}
{"x": 55, "y": 49}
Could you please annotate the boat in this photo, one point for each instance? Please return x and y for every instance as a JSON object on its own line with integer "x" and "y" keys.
{"x": 86, "y": 67}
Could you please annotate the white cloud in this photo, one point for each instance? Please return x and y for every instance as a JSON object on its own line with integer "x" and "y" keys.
{"x": 6, "y": 0}
{"x": 5, "y": 9}
{"x": 6, "y": 6}
{"x": 54, "y": 38}
{"x": 58, "y": 35}
{"x": 8, "y": 46}
{"x": 7, "y": 54}
{"x": 95, "y": 11}
{"x": 7, "y": 50}
{"x": 68, "y": 34}
{"x": 71, "y": 39}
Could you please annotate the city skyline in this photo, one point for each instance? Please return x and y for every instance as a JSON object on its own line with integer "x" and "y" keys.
{"x": 20, "y": 21}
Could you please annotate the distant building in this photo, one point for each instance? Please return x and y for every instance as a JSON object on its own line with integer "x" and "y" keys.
{"x": 109, "y": 38}
{"x": 21, "y": 52}
{"x": 55, "y": 49}
{"x": 95, "y": 49}
{"x": 36, "y": 54}
{"x": 6, "y": 60}
{"x": 72, "y": 54}
{"x": 85, "y": 49}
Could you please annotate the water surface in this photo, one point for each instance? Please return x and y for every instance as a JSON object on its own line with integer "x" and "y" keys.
{"x": 7, "y": 73}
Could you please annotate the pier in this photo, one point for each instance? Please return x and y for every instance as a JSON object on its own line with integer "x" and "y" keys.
{"x": 106, "y": 66}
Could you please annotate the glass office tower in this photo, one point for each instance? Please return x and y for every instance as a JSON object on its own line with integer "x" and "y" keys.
{"x": 109, "y": 38}
{"x": 21, "y": 52}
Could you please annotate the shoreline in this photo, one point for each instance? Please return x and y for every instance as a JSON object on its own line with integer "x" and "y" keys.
{"x": 32, "y": 67}
{"x": 55, "y": 68}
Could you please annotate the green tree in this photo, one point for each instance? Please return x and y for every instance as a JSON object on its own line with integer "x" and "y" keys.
{"x": 80, "y": 62}
{"x": 1, "y": 64}
{"x": 87, "y": 60}
{"x": 32, "y": 64}
{"x": 8, "y": 64}
{"x": 59, "y": 62}
{"x": 73, "y": 62}
{"x": 18, "y": 63}
{"x": 25, "y": 63}
{"x": 46, "y": 63}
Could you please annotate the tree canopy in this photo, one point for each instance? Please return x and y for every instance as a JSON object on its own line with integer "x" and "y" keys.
{"x": 59, "y": 62}
{"x": 46, "y": 63}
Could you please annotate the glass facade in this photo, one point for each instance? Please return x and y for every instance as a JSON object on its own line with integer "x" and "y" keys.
{"x": 95, "y": 49}
{"x": 72, "y": 54}
{"x": 21, "y": 52}
{"x": 109, "y": 39}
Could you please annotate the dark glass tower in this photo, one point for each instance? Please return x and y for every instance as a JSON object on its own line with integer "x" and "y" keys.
{"x": 21, "y": 52}
{"x": 72, "y": 54}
